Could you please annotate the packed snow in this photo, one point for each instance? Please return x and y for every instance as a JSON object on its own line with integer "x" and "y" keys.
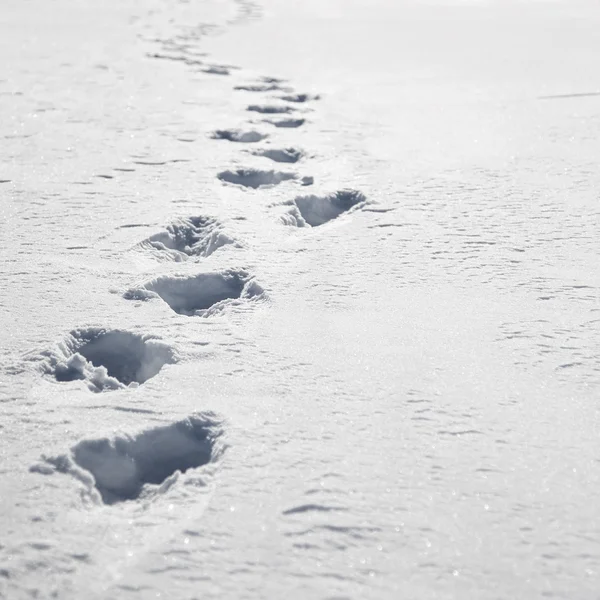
{"x": 300, "y": 299}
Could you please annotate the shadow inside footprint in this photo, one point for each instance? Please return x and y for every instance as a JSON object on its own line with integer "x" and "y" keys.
{"x": 299, "y": 98}
{"x": 128, "y": 467}
{"x": 195, "y": 295}
{"x": 287, "y": 123}
{"x": 317, "y": 210}
{"x": 235, "y": 135}
{"x": 194, "y": 236}
{"x": 108, "y": 360}
{"x": 255, "y": 178}
{"x": 266, "y": 109}
{"x": 217, "y": 70}
{"x": 261, "y": 87}
{"x": 284, "y": 155}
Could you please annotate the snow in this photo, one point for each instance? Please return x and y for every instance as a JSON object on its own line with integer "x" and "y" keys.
{"x": 318, "y": 210}
{"x": 201, "y": 294}
{"x": 132, "y": 467}
{"x": 373, "y": 373}
{"x": 107, "y": 359}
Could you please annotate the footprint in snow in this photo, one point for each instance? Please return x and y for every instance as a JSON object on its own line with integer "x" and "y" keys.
{"x": 299, "y": 98}
{"x": 236, "y": 135}
{"x": 283, "y": 155}
{"x": 107, "y": 359}
{"x": 188, "y": 237}
{"x": 269, "y": 109}
{"x": 260, "y": 87}
{"x": 143, "y": 465}
{"x": 286, "y": 123}
{"x": 265, "y": 84}
{"x": 219, "y": 69}
{"x": 269, "y": 79}
{"x": 204, "y": 294}
{"x": 255, "y": 178}
{"x": 317, "y": 210}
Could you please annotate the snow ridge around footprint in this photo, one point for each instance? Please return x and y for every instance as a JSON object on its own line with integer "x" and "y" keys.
{"x": 239, "y": 136}
{"x": 141, "y": 466}
{"x": 188, "y": 237}
{"x": 203, "y": 294}
{"x": 268, "y": 109}
{"x": 107, "y": 359}
{"x": 314, "y": 210}
{"x": 281, "y": 155}
{"x": 255, "y": 178}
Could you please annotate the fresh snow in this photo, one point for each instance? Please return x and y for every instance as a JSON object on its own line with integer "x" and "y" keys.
{"x": 300, "y": 299}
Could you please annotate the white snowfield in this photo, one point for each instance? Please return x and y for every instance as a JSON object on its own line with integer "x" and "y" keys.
{"x": 300, "y": 299}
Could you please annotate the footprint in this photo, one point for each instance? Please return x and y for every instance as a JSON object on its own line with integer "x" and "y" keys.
{"x": 143, "y": 465}
{"x": 199, "y": 295}
{"x": 284, "y": 155}
{"x": 217, "y": 70}
{"x": 235, "y": 135}
{"x": 268, "y": 79}
{"x": 108, "y": 359}
{"x": 194, "y": 236}
{"x": 290, "y": 123}
{"x": 191, "y": 62}
{"x": 261, "y": 87}
{"x": 299, "y": 98}
{"x": 267, "y": 109}
{"x": 255, "y": 178}
{"x": 317, "y": 210}
{"x": 159, "y": 163}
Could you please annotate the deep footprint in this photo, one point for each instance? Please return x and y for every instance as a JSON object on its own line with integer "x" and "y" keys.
{"x": 255, "y": 178}
{"x": 128, "y": 467}
{"x": 287, "y": 123}
{"x": 199, "y": 295}
{"x": 194, "y": 236}
{"x": 317, "y": 210}
{"x": 108, "y": 359}
{"x": 284, "y": 155}
{"x": 235, "y": 135}
{"x": 266, "y": 109}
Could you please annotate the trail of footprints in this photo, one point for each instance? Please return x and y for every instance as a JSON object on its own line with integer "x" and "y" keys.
{"x": 146, "y": 464}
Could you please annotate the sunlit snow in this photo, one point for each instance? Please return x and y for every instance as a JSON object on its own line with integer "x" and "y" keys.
{"x": 300, "y": 299}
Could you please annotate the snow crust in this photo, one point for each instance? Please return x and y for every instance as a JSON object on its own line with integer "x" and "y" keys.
{"x": 217, "y": 383}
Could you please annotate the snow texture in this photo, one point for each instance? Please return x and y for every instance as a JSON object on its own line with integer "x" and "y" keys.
{"x": 217, "y": 385}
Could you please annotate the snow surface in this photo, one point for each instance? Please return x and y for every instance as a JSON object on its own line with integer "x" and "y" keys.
{"x": 218, "y": 383}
